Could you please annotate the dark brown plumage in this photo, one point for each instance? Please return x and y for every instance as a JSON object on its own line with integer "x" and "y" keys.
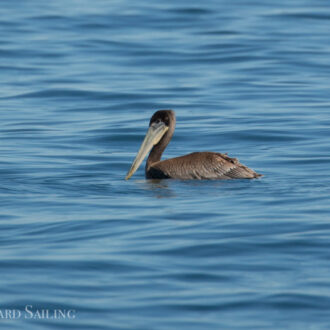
{"x": 197, "y": 165}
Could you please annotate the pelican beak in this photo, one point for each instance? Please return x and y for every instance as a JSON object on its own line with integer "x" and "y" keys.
{"x": 155, "y": 132}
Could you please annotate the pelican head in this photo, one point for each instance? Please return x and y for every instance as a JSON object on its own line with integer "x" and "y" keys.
{"x": 161, "y": 124}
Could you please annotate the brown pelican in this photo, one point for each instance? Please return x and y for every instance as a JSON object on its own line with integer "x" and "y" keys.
{"x": 198, "y": 165}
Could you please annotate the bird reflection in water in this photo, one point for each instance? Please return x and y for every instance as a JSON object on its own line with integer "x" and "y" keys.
{"x": 158, "y": 188}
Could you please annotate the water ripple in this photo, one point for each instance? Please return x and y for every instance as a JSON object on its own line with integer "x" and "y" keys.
{"x": 79, "y": 87}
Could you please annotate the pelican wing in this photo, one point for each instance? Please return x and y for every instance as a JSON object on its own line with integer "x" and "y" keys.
{"x": 201, "y": 165}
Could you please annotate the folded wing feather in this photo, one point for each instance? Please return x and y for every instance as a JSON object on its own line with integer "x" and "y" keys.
{"x": 201, "y": 165}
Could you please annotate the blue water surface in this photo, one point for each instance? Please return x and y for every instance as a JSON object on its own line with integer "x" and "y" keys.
{"x": 79, "y": 82}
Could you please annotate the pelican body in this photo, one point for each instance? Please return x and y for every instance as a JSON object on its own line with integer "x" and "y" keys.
{"x": 197, "y": 165}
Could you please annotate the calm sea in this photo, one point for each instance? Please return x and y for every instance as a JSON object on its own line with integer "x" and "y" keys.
{"x": 81, "y": 248}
